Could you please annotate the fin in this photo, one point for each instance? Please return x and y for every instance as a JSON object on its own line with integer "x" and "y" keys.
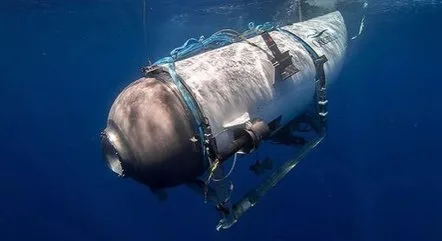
{"x": 238, "y": 122}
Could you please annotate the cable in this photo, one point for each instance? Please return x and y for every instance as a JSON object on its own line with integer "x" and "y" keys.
{"x": 144, "y": 26}
{"x": 230, "y": 171}
{"x": 216, "y": 40}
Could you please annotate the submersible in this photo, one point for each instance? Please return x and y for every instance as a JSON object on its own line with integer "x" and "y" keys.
{"x": 191, "y": 112}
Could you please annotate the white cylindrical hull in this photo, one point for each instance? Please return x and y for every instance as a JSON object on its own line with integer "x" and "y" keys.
{"x": 238, "y": 78}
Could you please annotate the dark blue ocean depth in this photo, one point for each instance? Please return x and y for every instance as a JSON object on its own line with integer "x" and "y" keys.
{"x": 376, "y": 177}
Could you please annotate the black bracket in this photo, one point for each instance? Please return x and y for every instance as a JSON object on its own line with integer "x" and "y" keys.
{"x": 321, "y": 90}
{"x": 281, "y": 61}
{"x": 152, "y": 70}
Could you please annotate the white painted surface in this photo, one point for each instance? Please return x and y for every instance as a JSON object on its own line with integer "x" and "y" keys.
{"x": 239, "y": 78}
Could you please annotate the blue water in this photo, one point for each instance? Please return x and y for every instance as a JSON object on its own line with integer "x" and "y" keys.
{"x": 375, "y": 177}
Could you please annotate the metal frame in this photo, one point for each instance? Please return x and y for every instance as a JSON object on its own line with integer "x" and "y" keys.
{"x": 319, "y": 124}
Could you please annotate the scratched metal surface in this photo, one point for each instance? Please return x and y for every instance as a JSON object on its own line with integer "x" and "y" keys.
{"x": 239, "y": 77}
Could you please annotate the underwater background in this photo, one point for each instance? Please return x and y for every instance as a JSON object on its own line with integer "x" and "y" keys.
{"x": 62, "y": 62}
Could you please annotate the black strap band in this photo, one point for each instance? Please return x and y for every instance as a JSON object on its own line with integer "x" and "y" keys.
{"x": 281, "y": 61}
{"x": 321, "y": 90}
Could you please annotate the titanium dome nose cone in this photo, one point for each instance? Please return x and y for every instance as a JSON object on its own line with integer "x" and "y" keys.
{"x": 148, "y": 135}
